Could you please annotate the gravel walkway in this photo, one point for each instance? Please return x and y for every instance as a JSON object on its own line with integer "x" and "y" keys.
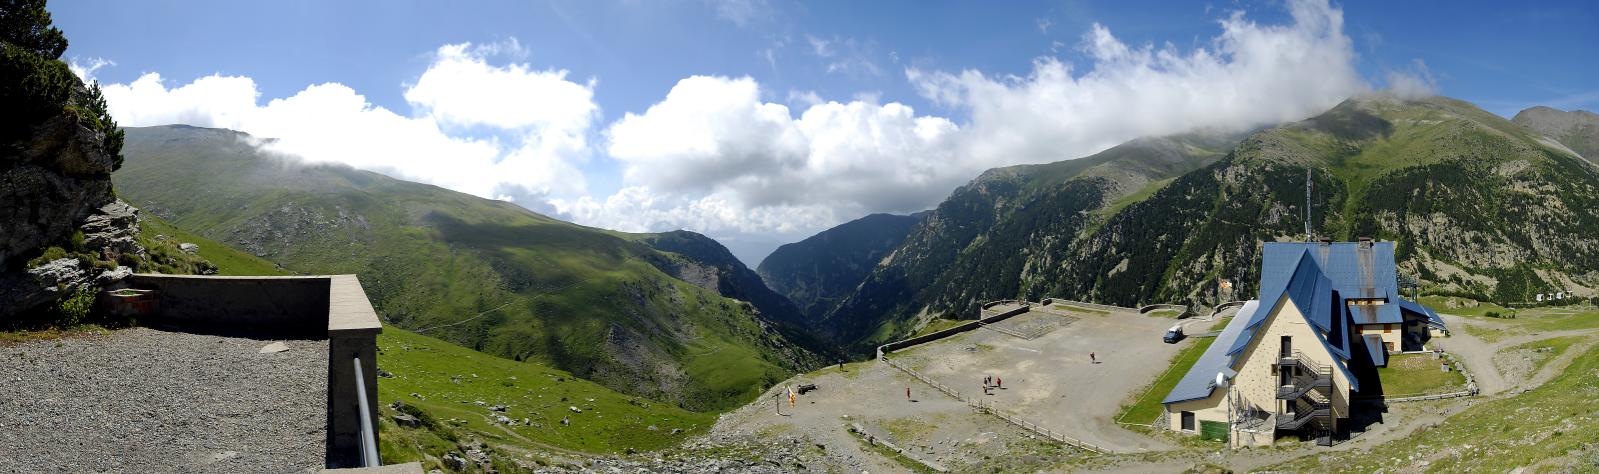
{"x": 145, "y": 400}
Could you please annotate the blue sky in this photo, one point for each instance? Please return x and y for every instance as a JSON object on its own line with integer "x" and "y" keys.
{"x": 950, "y": 77}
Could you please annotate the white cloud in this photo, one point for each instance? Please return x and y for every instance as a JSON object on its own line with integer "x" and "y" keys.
{"x": 1415, "y": 83}
{"x": 713, "y": 157}
{"x": 86, "y": 69}
{"x": 540, "y": 123}
{"x": 1249, "y": 75}
{"x": 461, "y": 88}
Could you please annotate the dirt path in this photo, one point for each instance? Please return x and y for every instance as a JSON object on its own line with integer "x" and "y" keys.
{"x": 1479, "y": 355}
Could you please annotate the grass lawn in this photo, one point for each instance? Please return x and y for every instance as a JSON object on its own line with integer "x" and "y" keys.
{"x": 1526, "y": 321}
{"x": 1418, "y": 374}
{"x": 1165, "y": 313}
{"x": 1554, "y": 347}
{"x": 1551, "y": 428}
{"x": 452, "y": 379}
{"x": 1147, "y": 407}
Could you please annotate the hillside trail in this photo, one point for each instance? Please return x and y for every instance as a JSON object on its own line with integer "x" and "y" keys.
{"x": 1478, "y": 354}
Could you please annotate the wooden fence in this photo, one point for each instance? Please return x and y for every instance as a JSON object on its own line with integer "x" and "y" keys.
{"x": 990, "y": 408}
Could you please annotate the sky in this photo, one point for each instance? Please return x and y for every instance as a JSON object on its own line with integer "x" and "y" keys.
{"x": 762, "y": 122}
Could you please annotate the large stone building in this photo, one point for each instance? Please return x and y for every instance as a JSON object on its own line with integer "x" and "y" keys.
{"x": 1327, "y": 317}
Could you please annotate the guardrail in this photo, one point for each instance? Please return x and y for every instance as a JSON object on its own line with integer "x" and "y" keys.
{"x": 369, "y": 443}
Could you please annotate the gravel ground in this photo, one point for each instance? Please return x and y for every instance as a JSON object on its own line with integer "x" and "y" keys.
{"x": 145, "y": 400}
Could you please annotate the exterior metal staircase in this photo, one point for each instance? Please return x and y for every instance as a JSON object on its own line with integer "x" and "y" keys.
{"x": 1308, "y": 394}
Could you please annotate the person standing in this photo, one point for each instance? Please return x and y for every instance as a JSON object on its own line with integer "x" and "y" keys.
{"x": 1092, "y": 359}
{"x": 907, "y": 393}
{"x": 999, "y": 382}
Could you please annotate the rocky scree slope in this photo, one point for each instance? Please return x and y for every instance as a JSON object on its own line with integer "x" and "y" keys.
{"x": 1577, "y": 129}
{"x": 488, "y": 275}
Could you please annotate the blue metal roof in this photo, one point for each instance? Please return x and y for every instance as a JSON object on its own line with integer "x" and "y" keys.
{"x": 1374, "y": 349}
{"x": 1200, "y": 379}
{"x": 1356, "y": 270}
{"x": 1414, "y": 307}
{"x": 1311, "y": 292}
{"x": 1387, "y": 313}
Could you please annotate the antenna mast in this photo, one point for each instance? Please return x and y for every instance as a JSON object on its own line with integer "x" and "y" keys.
{"x": 1308, "y": 236}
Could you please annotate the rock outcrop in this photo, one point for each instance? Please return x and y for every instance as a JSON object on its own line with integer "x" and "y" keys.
{"x": 54, "y": 185}
{"x": 49, "y": 185}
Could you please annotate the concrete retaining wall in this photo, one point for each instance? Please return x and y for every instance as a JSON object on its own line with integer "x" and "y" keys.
{"x": 295, "y": 306}
{"x": 334, "y": 307}
{"x": 1182, "y": 310}
{"x": 1101, "y": 307}
{"x": 1226, "y": 306}
{"x": 934, "y": 336}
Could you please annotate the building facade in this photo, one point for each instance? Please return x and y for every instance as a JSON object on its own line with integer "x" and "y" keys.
{"x": 1291, "y": 361}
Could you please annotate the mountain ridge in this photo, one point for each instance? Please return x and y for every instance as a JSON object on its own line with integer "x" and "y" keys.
{"x": 1440, "y": 175}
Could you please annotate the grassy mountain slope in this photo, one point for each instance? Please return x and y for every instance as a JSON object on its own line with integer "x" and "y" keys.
{"x": 445, "y": 381}
{"x": 711, "y": 266}
{"x": 484, "y": 274}
{"x": 160, "y": 237}
{"x": 1577, "y": 129}
{"x": 992, "y": 238}
{"x": 1478, "y": 205}
{"x": 1481, "y": 207}
{"x": 817, "y": 272}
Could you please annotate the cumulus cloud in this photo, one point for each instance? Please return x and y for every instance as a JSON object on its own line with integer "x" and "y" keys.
{"x": 714, "y": 157}
{"x": 1250, "y": 74}
{"x": 538, "y": 123}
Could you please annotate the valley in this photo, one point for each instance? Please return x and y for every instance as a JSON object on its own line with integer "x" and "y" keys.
{"x": 544, "y": 274}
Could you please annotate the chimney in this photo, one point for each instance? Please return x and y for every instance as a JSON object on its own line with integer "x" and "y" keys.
{"x": 1326, "y": 241}
{"x": 1365, "y": 241}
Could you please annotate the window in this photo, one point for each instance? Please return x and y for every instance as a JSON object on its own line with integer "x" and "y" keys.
{"x": 1388, "y": 329}
{"x": 1287, "y": 346}
{"x": 1188, "y": 421}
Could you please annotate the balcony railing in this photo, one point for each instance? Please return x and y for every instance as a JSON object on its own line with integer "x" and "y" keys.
{"x": 1296, "y": 420}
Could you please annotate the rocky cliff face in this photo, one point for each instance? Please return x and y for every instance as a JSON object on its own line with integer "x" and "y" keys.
{"x": 61, "y": 228}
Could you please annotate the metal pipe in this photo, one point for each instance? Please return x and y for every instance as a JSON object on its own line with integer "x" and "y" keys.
{"x": 369, "y": 446}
